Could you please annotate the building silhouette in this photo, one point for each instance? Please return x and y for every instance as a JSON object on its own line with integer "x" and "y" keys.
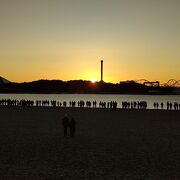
{"x": 101, "y": 70}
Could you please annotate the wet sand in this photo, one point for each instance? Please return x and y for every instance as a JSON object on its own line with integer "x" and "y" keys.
{"x": 109, "y": 144}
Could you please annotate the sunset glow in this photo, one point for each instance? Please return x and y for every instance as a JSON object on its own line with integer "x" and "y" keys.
{"x": 93, "y": 80}
{"x": 64, "y": 40}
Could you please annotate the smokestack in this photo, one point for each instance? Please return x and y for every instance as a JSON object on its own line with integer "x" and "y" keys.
{"x": 101, "y": 70}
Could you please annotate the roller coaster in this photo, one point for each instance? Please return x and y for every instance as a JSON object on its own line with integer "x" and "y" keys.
{"x": 169, "y": 83}
{"x": 172, "y": 83}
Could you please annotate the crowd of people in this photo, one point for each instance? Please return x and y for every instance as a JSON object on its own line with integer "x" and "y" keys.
{"x": 134, "y": 105}
{"x": 23, "y": 102}
{"x": 89, "y": 104}
{"x": 169, "y": 105}
{"x": 55, "y": 103}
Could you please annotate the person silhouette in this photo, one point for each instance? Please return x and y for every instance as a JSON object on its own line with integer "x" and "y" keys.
{"x": 162, "y": 104}
{"x": 72, "y": 126}
{"x": 65, "y": 123}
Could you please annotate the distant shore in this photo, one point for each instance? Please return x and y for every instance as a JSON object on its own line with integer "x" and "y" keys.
{"x": 127, "y": 93}
{"x": 108, "y": 144}
{"x": 86, "y": 87}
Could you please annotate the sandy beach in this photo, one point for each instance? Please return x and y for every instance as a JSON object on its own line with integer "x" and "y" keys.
{"x": 109, "y": 144}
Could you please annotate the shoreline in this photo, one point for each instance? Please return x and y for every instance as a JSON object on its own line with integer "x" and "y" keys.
{"x": 87, "y": 108}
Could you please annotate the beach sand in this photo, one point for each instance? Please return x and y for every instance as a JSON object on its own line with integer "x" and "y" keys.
{"x": 109, "y": 144}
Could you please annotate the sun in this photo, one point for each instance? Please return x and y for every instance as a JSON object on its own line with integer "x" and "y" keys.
{"x": 93, "y": 80}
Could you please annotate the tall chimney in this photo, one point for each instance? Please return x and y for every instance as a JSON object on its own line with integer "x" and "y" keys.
{"x": 101, "y": 70}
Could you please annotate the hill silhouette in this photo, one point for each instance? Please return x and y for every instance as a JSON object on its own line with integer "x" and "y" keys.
{"x": 4, "y": 81}
{"x": 81, "y": 86}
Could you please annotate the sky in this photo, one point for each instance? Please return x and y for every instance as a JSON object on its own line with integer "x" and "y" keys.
{"x": 66, "y": 39}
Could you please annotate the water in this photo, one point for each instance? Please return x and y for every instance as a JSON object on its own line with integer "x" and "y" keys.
{"x": 150, "y": 99}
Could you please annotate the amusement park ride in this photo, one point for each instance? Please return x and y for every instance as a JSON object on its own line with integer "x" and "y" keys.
{"x": 170, "y": 83}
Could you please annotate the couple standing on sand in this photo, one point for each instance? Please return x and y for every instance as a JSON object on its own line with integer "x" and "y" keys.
{"x": 69, "y": 124}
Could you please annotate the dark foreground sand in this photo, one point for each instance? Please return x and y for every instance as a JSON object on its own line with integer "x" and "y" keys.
{"x": 109, "y": 144}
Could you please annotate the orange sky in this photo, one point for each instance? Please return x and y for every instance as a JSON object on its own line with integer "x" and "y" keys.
{"x": 43, "y": 39}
